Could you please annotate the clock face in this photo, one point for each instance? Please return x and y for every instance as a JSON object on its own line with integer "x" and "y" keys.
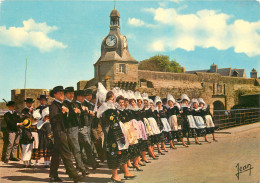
{"x": 125, "y": 42}
{"x": 111, "y": 40}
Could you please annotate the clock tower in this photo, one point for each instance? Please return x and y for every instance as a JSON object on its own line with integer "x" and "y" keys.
{"x": 115, "y": 63}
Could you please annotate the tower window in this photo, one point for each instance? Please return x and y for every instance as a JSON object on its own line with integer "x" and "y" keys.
{"x": 122, "y": 68}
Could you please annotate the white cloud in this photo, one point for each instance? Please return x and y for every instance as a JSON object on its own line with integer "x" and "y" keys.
{"x": 206, "y": 28}
{"x": 135, "y": 22}
{"x": 31, "y": 34}
{"x": 138, "y": 23}
{"x": 158, "y": 45}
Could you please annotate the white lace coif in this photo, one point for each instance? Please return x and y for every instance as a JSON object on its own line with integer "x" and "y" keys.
{"x": 101, "y": 93}
{"x": 170, "y": 98}
{"x": 185, "y": 97}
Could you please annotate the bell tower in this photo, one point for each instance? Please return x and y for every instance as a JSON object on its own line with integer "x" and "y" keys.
{"x": 115, "y": 63}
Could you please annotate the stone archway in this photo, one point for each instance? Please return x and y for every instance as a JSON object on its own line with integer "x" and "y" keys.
{"x": 218, "y": 105}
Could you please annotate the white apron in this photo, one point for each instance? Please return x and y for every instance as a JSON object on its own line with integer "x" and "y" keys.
{"x": 154, "y": 126}
{"x": 191, "y": 121}
{"x": 199, "y": 122}
{"x": 27, "y": 152}
{"x": 209, "y": 121}
{"x": 166, "y": 126}
{"x": 120, "y": 145}
{"x": 173, "y": 123}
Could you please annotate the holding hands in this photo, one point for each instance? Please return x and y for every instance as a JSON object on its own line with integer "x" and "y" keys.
{"x": 64, "y": 109}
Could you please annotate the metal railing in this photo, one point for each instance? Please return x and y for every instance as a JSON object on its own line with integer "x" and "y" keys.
{"x": 235, "y": 117}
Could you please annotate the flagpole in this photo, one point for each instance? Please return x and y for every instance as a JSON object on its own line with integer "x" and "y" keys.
{"x": 25, "y": 75}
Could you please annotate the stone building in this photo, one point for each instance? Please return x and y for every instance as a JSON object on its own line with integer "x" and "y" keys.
{"x": 222, "y": 71}
{"x": 253, "y": 74}
{"x": 220, "y": 87}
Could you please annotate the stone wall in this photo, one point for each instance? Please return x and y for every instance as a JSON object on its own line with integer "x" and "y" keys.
{"x": 210, "y": 86}
{"x": 19, "y": 95}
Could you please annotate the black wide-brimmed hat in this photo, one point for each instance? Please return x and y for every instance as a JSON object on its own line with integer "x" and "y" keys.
{"x": 55, "y": 90}
{"x": 69, "y": 89}
{"x": 29, "y": 100}
{"x": 42, "y": 97}
{"x": 10, "y": 103}
{"x": 79, "y": 93}
{"x": 88, "y": 92}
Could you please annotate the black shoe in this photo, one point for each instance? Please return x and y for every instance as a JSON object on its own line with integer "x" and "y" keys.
{"x": 46, "y": 166}
{"x": 137, "y": 169}
{"x": 78, "y": 178}
{"x": 15, "y": 159}
{"x": 84, "y": 173}
{"x": 145, "y": 161}
{"x": 130, "y": 177}
{"x": 161, "y": 153}
{"x": 157, "y": 156}
{"x": 6, "y": 161}
{"x": 95, "y": 166}
{"x": 55, "y": 179}
{"x": 116, "y": 181}
{"x": 142, "y": 164}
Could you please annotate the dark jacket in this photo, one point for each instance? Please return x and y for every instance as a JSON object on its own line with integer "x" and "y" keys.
{"x": 70, "y": 119}
{"x": 56, "y": 117}
{"x": 82, "y": 118}
{"x": 88, "y": 118}
{"x": 26, "y": 137}
{"x": 25, "y": 113}
{"x": 11, "y": 121}
{"x": 41, "y": 108}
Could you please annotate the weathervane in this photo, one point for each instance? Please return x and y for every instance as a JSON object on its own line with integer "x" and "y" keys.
{"x": 114, "y": 4}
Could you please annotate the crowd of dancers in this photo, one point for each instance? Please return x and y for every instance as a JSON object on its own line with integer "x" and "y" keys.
{"x": 118, "y": 126}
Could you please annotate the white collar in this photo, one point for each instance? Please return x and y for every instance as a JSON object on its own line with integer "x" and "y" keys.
{"x": 58, "y": 101}
{"x": 78, "y": 101}
{"x": 119, "y": 107}
{"x": 68, "y": 100}
{"x": 11, "y": 111}
{"x": 87, "y": 101}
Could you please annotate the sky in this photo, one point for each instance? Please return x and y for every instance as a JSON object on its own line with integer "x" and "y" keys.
{"x": 61, "y": 40}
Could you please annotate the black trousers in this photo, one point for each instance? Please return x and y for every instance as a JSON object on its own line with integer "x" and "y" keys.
{"x": 61, "y": 151}
{"x": 84, "y": 141}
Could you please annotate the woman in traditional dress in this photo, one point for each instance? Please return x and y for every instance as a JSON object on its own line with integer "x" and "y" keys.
{"x": 45, "y": 137}
{"x": 151, "y": 126}
{"x": 189, "y": 126}
{"x": 176, "y": 126}
{"x": 208, "y": 118}
{"x": 199, "y": 121}
{"x": 136, "y": 118}
{"x": 128, "y": 133}
{"x": 162, "y": 116}
{"x": 113, "y": 135}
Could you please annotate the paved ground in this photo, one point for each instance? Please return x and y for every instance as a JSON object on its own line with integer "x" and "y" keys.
{"x": 215, "y": 162}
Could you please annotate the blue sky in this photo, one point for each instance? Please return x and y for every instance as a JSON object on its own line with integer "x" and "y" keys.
{"x": 62, "y": 39}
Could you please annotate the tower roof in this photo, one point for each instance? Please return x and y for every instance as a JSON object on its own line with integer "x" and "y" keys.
{"x": 114, "y": 13}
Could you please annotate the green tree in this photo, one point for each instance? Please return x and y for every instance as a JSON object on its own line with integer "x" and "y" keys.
{"x": 160, "y": 63}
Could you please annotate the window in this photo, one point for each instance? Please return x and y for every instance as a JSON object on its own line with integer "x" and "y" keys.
{"x": 122, "y": 68}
